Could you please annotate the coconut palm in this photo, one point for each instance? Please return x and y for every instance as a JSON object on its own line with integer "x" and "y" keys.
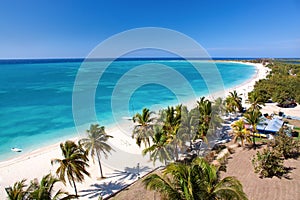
{"x": 218, "y": 109}
{"x": 171, "y": 125}
{"x": 234, "y": 102}
{"x": 143, "y": 131}
{"x": 255, "y": 100}
{"x": 43, "y": 190}
{"x": 159, "y": 150}
{"x": 252, "y": 117}
{"x": 218, "y": 106}
{"x": 192, "y": 182}
{"x": 73, "y": 165}
{"x": 188, "y": 126}
{"x": 237, "y": 99}
{"x": 240, "y": 132}
{"x": 17, "y": 191}
{"x": 96, "y": 143}
{"x": 172, "y": 119}
{"x": 204, "y": 107}
{"x": 230, "y": 104}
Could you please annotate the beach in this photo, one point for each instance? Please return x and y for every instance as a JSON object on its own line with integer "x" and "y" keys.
{"x": 124, "y": 166}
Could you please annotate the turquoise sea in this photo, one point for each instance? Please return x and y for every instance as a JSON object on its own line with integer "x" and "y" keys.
{"x": 36, "y": 96}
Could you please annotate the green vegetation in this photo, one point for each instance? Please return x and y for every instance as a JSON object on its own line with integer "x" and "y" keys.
{"x": 198, "y": 180}
{"x": 286, "y": 146}
{"x": 234, "y": 102}
{"x": 252, "y": 116}
{"x": 175, "y": 127}
{"x": 96, "y": 143}
{"x": 240, "y": 132}
{"x": 268, "y": 163}
{"x": 282, "y": 84}
{"x": 42, "y": 190}
{"x": 73, "y": 165}
{"x": 159, "y": 150}
{"x": 143, "y": 130}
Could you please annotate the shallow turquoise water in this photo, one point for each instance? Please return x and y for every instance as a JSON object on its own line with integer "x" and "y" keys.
{"x": 36, "y": 98}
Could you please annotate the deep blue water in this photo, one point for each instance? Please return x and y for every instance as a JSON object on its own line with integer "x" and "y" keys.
{"x": 36, "y": 96}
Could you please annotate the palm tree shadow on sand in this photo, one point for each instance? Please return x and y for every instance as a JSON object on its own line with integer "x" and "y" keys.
{"x": 108, "y": 188}
{"x": 102, "y": 189}
{"x": 129, "y": 173}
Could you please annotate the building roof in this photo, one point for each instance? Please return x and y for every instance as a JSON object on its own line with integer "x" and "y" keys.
{"x": 273, "y": 125}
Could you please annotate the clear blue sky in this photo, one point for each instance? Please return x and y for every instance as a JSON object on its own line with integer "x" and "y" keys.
{"x": 226, "y": 28}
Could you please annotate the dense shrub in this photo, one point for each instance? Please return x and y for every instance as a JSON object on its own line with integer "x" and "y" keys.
{"x": 268, "y": 163}
{"x": 286, "y": 146}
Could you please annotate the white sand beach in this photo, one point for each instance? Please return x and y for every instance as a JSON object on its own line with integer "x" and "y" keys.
{"x": 120, "y": 168}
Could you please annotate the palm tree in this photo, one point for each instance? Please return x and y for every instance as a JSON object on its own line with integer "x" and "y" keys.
{"x": 17, "y": 192}
{"x": 196, "y": 181}
{"x": 188, "y": 126}
{"x": 43, "y": 190}
{"x": 234, "y": 102}
{"x": 218, "y": 106}
{"x": 171, "y": 126}
{"x": 205, "y": 115}
{"x": 255, "y": 100}
{"x": 73, "y": 165}
{"x": 144, "y": 128}
{"x": 237, "y": 99}
{"x": 240, "y": 132}
{"x": 96, "y": 143}
{"x": 253, "y": 118}
{"x": 159, "y": 149}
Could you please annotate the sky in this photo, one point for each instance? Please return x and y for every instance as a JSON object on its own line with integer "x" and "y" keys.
{"x": 73, "y": 28}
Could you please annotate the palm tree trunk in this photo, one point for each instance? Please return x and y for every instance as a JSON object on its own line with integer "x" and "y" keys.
{"x": 99, "y": 162}
{"x": 254, "y": 131}
{"x": 74, "y": 186}
{"x": 254, "y": 145}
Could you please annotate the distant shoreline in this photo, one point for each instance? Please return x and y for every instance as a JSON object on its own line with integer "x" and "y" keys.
{"x": 57, "y": 60}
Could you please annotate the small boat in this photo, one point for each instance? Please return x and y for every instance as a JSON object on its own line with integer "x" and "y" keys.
{"x": 14, "y": 149}
{"x": 127, "y": 118}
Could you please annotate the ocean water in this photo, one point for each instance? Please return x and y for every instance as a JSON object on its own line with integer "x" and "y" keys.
{"x": 36, "y": 96}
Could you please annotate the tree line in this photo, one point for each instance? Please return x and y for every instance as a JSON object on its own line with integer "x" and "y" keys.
{"x": 281, "y": 85}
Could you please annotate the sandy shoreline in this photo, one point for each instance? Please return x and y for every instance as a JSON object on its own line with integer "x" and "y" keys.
{"x": 126, "y": 157}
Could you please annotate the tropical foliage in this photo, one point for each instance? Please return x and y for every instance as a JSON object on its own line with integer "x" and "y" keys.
{"x": 196, "y": 181}
{"x": 96, "y": 143}
{"x": 252, "y": 117}
{"x": 17, "y": 191}
{"x": 143, "y": 130}
{"x": 240, "y": 132}
{"x": 234, "y": 102}
{"x": 73, "y": 165}
{"x": 176, "y": 128}
{"x": 43, "y": 190}
{"x": 204, "y": 107}
{"x": 171, "y": 125}
{"x": 286, "y": 146}
{"x": 281, "y": 85}
{"x": 268, "y": 163}
{"x": 160, "y": 149}
{"x": 255, "y": 100}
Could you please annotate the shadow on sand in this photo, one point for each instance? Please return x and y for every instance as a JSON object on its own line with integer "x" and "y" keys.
{"x": 119, "y": 177}
{"x": 129, "y": 173}
{"x": 102, "y": 189}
